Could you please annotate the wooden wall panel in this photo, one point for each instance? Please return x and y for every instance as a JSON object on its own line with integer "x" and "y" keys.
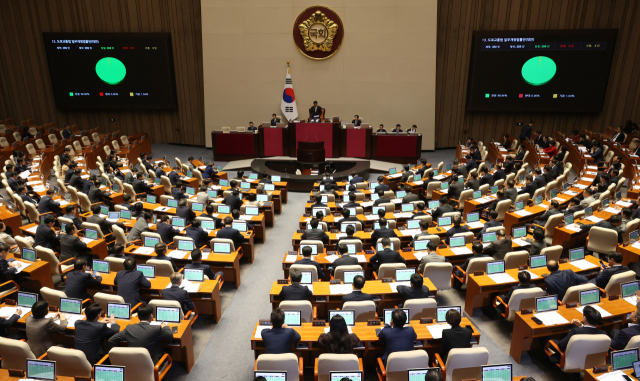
{"x": 457, "y": 19}
{"x": 25, "y": 87}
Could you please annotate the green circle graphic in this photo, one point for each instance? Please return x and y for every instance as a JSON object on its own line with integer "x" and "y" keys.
{"x": 111, "y": 70}
{"x": 538, "y": 70}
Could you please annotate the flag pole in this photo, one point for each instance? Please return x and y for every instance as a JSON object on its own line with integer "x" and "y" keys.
{"x": 288, "y": 67}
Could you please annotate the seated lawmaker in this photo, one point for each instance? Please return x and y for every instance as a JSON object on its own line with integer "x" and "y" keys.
{"x": 397, "y": 337}
{"x": 383, "y": 231}
{"x": 130, "y": 281}
{"x": 196, "y": 263}
{"x": 274, "y": 120}
{"x": 166, "y": 231}
{"x": 588, "y": 326}
{"x": 524, "y": 282}
{"x": 620, "y": 338}
{"x": 295, "y": 291}
{"x": 307, "y": 260}
{"x": 417, "y": 290}
{"x": 40, "y": 329}
{"x": 381, "y": 128}
{"x": 613, "y": 267}
{"x": 252, "y": 127}
{"x": 357, "y": 295}
{"x": 91, "y": 333}
{"x": 477, "y": 250}
{"x": 79, "y": 280}
{"x": 314, "y": 233}
{"x": 456, "y": 228}
{"x": 456, "y": 336}
{"x": 386, "y": 255}
{"x": 338, "y": 339}
{"x": 315, "y": 111}
{"x": 558, "y": 281}
{"x": 356, "y": 121}
{"x": 280, "y": 338}
{"x": 178, "y": 294}
{"x": 161, "y": 254}
{"x": 228, "y": 232}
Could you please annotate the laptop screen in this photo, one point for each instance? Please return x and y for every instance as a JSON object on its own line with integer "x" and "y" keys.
{"x": 421, "y": 244}
{"x": 253, "y": 176}
{"x": 114, "y": 216}
{"x": 190, "y": 191}
{"x": 307, "y": 277}
{"x": 400, "y": 194}
{"x": 634, "y": 236}
{"x": 419, "y": 374}
{"x": 495, "y": 267}
{"x": 224, "y": 183}
{"x": 119, "y": 310}
{"x": 413, "y": 224}
{"x": 101, "y": 266}
{"x": 434, "y": 204}
{"x": 351, "y": 248}
{"x": 351, "y": 375}
{"x": 444, "y": 221}
{"x": 193, "y": 275}
{"x": 441, "y": 313}
{"x": 197, "y": 207}
{"x": 392, "y": 171}
{"x": 477, "y": 194}
{"x": 221, "y": 247}
{"x": 262, "y": 197}
{"x": 240, "y": 226}
{"x": 568, "y": 220}
{"x": 151, "y": 241}
{"x": 407, "y": 207}
{"x": 588, "y": 212}
{"x": 349, "y": 275}
{"x": 444, "y": 186}
{"x": 553, "y": 193}
{"x": 348, "y": 315}
{"x": 623, "y": 359}
{"x": 185, "y": 244}
{"x": 168, "y": 314}
{"x": 489, "y": 237}
{"x": 547, "y": 303}
{"x": 404, "y": 274}
{"x": 293, "y": 318}
{"x": 496, "y": 372}
{"x": 269, "y": 376}
{"x": 388, "y": 315}
{"x": 375, "y": 209}
{"x": 244, "y": 185}
{"x": 178, "y": 222}
{"x": 104, "y": 210}
{"x": 473, "y": 217}
{"x": 629, "y": 288}
{"x": 149, "y": 271}
{"x": 456, "y": 242}
{"x": 576, "y": 254}
{"x": 537, "y": 200}
{"x": 605, "y": 202}
{"x": 212, "y": 193}
{"x": 27, "y": 299}
{"x": 224, "y": 209}
{"x": 269, "y": 187}
{"x": 448, "y": 167}
{"x": 41, "y": 369}
{"x": 152, "y": 199}
{"x": 519, "y": 232}
{"x": 494, "y": 189}
{"x": 109, "y": 373}
{"x": 314, "y": 248}
{"x": 172, "y": 203}
{"x": 344, "y": 225}
{"x": 589, "y": 297}
{"x": 276, "y": 179}
{"x": 538, "y": 261}
{"x": 315, "y": 211}
{"x": 28, "y": 254}
{"x": 251, "y": 211}
{"x": 519, "y": 205}
{"x": 125, "y": 214}
{"x": 91, "y": 233}
{"x": 208, "y": 224}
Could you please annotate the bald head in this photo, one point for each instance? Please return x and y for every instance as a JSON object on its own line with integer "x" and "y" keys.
{"x": 552, "y": 265}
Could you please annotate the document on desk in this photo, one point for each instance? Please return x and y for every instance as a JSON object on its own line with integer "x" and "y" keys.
{"x": 570, "y": 193}
{"x": 402, "y": 215}
{"x": 245, "y": 217}
{"x": 581, "y": 186}
{"x": 559, "y": 199}
{"x": 337, "y": 219}
{"x": 475, "y": 225}
{"x": 22, "y": 266}
{"x": 440, "y": 177}
{"x": 523, "y": 213}
{"x": 484, "y": 200}
{"x": 502, "y": 278}
{"x": 143, "y": 250}
{"x": 394, "y": 285}
{"x": 533, "y": 276}
{"x": 591, "y": 173}
{"x": 583, "y": 264}
{"x": 161, "y": 209}
{"x": 340, "y": 235}
{"x": 361, "y": 258}
{"x": 594, "y": 219}
{"x": 259, "y": 330}
{"x": 178, "y": 254}
{"x": 520, "y": 242}
{"x": 446, "y": 228}
{"x": 420, "y": 254}
{"x": 612, "y": 210}
{"x": 291, "y": 258}
{"x": 573, "y": 227}
{"x": 397, "y": 201}
{"x": 617, "y": 375}
{"x": 340, "y": 289}
{"x": 603, "y": 313}
{"x": 6, "y": 312}
{"x": 34, "y": 182}
{"x": 436, "y": 330}
{"x": 461, "y": 250}
{"x": 551, "y": 318}
{"x": 86, "y": 240}
{"x": 366, "y": 204}
{"x": 395, "y": 175}
{"x": 330, "y": 258}
{"x": 372, "y": 217}
{"x": 418, "y": 182}
{"x": 633, "y": 300}
{"x": 624, "y": 204}
{"x": 587, "y": 179}
{"x": 410, "y": 232}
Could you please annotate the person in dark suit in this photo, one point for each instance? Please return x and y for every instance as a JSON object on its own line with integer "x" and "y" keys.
{"x": 95, "y": 194}
{"x": 530, "y": 187}
{"x": 144, "y": 335}
{"x": 588, "y": 326}
{"x": 11, "y": 180}
{"x": 314, "y": 233}
{"x": 410, "y": 197}
{"x": 381, "y": 128}
{"x": 524, "y": 282}
{"x": 357, "y": 295}
{"x": 230, "y": 233}
{"x": 76, "y": 180}
{"x": 352, "y": 201}
{"x": 72, "y": 247}
{"x": 66, "y": 132}
{"x": 131, "y": 176}
{"x": 525, "y": 133}
{"x": 416, "y": 291}
{"x": 306, "y": 260}
{"x": 177, "y": 192}
{"x": 418, "y": 211}
{"x": 350, "y": 231}
{"x": 178, "y": 294}
{"x": 618, "y": 137}
{"x": 427, "y": 181}
{"x": 456, "y": 188}
{"x": 356, "y": 178}
{"x": 130, "y": 281}
{"x": 45, "y": 236}
{"x": 539, "y": 181}
{"x": 91, "y": 333}
{"x": 509, "y": 164}
{"x": 139, "y": 186}
{"x": 252, "y": 127}
{"x": 548, "y": 174}
{"x": 477, "y": 250}
{"x": 381, "y": 199}
{"x": 166, "y": 231}
{"x": 196, "y": 233}
{"x": 387, "y": 255}
{"x": 553, "y": 210}
{"x": 442, "y": 209}
{"x": 406, "y": 173}
{"x": 184, "y": 211}
{"x": 196, "y": 263}
{"x": 557, "y": 169}
{"x": 614, "y": 267}
{"x": 597, "y": 152}
{"x": 22, "y": 193}
{"x": 344, "y": 258}
{"x": 456, "y": 228}
{"x": 510, "y": 191}
{"x": 315, "y": 111}
{"x": 105, "y": 225}
{"x": 6, "y": 269}
{"x": 356, "y": 121}
{"x": 319, "y": 203}
{"x": 614, "y": 224}
{"x": 161, "y": 254}
{"x": 500, "y": 247}
{"x": 506, "y": 143}
{"x": 456, "y": 336}
{"x": 493, "y": 215}
{"x": 486, "y": 177}
{"x": 558, "y": 281}
{"x": 274, "y": 120}
{"x": 475, "y": 154}
{"x": 295, "y": 291}
{"x": 397, "y": 129}
{"x": 78, "y": 281}
{"x": 471, "y": 163}
{"x": 574, "y": 206}
{"x": 396, "y": 336}
{"x": 174, "y": 176}
{"x": 413, "y": 130}
{"x": 383, "y": 232}
{"x": 233, "y": 200}
{"x": 621, "y": 338}
{"x": 47, "y": 205}
{"x": 280, "y": 338}
{"x": 500, "y": 196}
{"x": 381, "y": 185}
{"x": 346, "y": 217}
{"x": 472, "y": 181}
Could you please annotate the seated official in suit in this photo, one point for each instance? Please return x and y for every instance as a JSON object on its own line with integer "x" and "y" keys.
{"x": 139, "y": 186}
{"x": 306, "y": 260}
{"x": 558, "y": 281}
{"x": 554, "y": 208}
{"x": 381, "y": 128}
{"x": 456, "y": 336}
{"x": 486, "y": 177}
{"x": 228, "y": 232}
{"x": 614, "y": 224}
{"x": 118, "y": 252}
{"x": 174, "y": 177}
{"x": 45, "y": 236}
{"x": 252, "y": 127}
{"x": 457, "y": 227}
{"x": 346, "y": 217}
{"x": 397, "y": 337}
{"x": 381, "y": 198}
{"x": 177, "y": 192}
{"x": 431, "y": 257}
{"x": 493, "y": 215}
{"x": 344, "y": 258}
{"x": 184, "y": 211}
{"x": 22, "y": 193}
{"x": 274, "y": 120}
{"x": 510, "y": 191}
{"x": 588, "y": 326}
{"x": 477, "y": 250}
{"x": 6, "y": 269}
{"x": 315, "y": 111}
{"x": 280, "y": 338}
{"x": 538, "y": 243}
{"x": 141, "y": 226}
{"x": 419, "y": 209}
{"x": 202, "y": 196}
{"x": 70, "y": 214}
{"x": 295, "y": 291}
{"x": 383, "y": 232}
{"x": 406, "y": 173}
{"x": 178, "y": 294}
{"x": 524, "y": 279}
{"x": 96, "y": 194}
{"x": 620, "y": 338}
{"x": 161, "y": 254}
{"x": 356, "y": 121}
{"x": 612, "y": 268}
{"x": 78, "y": 281}
{"x": 314, "y": 233}
{"x": 500, "y": 196}
{"x": 472, "y": 181}
{"x": 166, "y": 231}
{"x": 196, "y": 233}
{"x": 500, "y": 247}
{"x": 338, "y": 339}
{"x": 455, "y": 188}
{"x": 413, "y": 130}
{"x": 40, "y": 329}
{"x": 71, "y": 246}
{"x": 381, "y": 185}
{"x": 397, "y": 129}
{"x": 196, "y": 263}
{"x": 91, "y": 333}
{"x": 233, "y": 200}
{"x": 352, "y": 201}
{"x": 356, "y": 178}
{"x": 47, "y": 205}
{"x": 144, "y": 335}
{"x": 410, "y": 197}
{"x": 442, "y": 209}
{"x": 387, "y": 255}
{"x": 417, "y": 290}
{"x": 130, "y": 281}
{"x": 319, "y": 203}
{"x": 357, "y": 295}
{"x": 105, "y": 225}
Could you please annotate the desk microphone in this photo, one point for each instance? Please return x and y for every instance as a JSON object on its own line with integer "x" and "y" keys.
{"x": 316, "y": 138}
{"x": 305, "y": 139}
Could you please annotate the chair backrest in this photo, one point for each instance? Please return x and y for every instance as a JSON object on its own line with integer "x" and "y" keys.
{"x": 634, "y": 342}
{"x": 121, "y": 238}
{"x": 223, "y": 240}
{"x": 432, "y": 238}
{"x": 313, "y": 242}
{"x": 49, "y": 256}
{"x": 338, "y": 273}
{"x": 52, "y": 296}
{"x": 522, "y": 299}
{"x": 364, "y": 310}
{"x": 280, "y": 362}
{"x": 552, "y": 252}
{"x": 476, "y": 264}
{"x": 631, "y": 226}
{"x": 333, "y": 362}
{"x": 15, "y": 353}
{"x": 613, "y": 287}
{"x": 421, "y": 308}
{"x": 103, "y": 299}
{"x": 85, "y": 141}
{"x": 32, "y": 212}
{"x": 440, "y": 274}
{"x": 573, "y": 293}
{"x": 466, "y": 363}
{"x": 312, "y": 268}
{"x": 464, "y": 195}
{"x": 468, "y": 237}
{"x": 484, "y": 189}
{"x": 304, "y": 306}
{"x": 124, "y": 139}
{"x": 388, "y": 270}
{"x": 450, "y": 214}
{"x": 22, "y": 243}
{"x": 356, "y": 242}
{"x": 434, "y": 185}
{"x": 137, "y": 362}
{"x": 94, "y": 226}
{"x": 155, "y": 303}
{"x": 552, "y": 222}
{"x": 69, "y": 362}
{"x": 398, "y": 363}
{"x": 115, "y": 264}
{"x": 502, "y": 208}
{"x": 85, "y": 204}
{"x": 516, "y": 259}
{"x": 586, "y": 351}
{"x": 602, "y": 240}
{"x": 163, "y": 268}
{"x": 550, "y": 186}
{"x": 166, "y": 183}
{"x": 389, "y": 207}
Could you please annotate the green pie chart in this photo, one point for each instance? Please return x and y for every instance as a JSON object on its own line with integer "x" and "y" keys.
{"x": 111, "y": 70}
{"x": 538, "y": 70}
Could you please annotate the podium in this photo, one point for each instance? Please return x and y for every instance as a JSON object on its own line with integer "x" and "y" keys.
{"x": 310, "y": 152}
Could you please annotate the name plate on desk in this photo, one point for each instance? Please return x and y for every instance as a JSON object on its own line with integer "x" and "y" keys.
{"x": 292, "y": 253}
{"x": 264, "y": 322}
{"x": 16, "y": 373}
{"x": 300, "y": 231}
{"x": 367, "y": 230}
{"x": 522, "y": 267}
{"x": 283, "y": 281}
{"x": 53, "y": 309}
{"x": 307, "y": 215}
{"x": 335, "y": 281}
{"x": 405, "y": 249}
{"x": 527, "y": 311}
{"x": 387, "y": 280}
{"x": 601, "y": 369}
{"x": 10, "y": 302}
{"x": 572, "y": 305}
{"x": 563, "y": 260}
{"x": 426, "y": 320}
{"x": 373, "y": 322}
{"x": 478, "y": 273}
{"x": 369, "y": 252}
{"x": 318, "y": 323}
{"x": 332, "y": 252}
{"x": 614, "y": 297}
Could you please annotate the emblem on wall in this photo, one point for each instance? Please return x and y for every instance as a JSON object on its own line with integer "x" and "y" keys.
{"x": 318, "y": 32}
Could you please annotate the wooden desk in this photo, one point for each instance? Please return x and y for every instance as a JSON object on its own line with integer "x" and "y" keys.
{"x": 590, "y": 376}
{"x": 525, "y": 329}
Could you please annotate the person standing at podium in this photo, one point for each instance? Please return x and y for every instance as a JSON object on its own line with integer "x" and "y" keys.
{"x": 381, "y": 128}
{"x": 356, "y": 121}
{"x": 315, "y": 111}
{"x": 252, "y": 127}
{"x": 274, "y": 120}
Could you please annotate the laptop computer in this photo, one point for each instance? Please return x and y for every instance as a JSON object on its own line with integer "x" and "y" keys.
{"x": 403, "y": 275}
{"x": 149, "y": 271}
{"x": 253, "y": 176}
{"x": 519, "y": 232}
{"x": 349, "y": 275}
{"x": 109, "y": 373}
{"x": 276, "y": 179}
{"x": 113, "y": 216}
{"x": 119, "y": 310}
{"x": 208, "y": 225}
{"x": 221, "y": 248}
{"x": 269, "y": 375}
{"x": 101, "y": 266}
{"x": 519, "y": 205}
{"x": 172, "y": 203}
{"x": 344, "y": 225}
{"x": 589, "y": 297}
{"x": 538, "y": 261}
{"x": 26, "y": 299}
{"x": 456, "y": 242}
{"x": 501, "y": 372}
{"x": 355, "y": 375}
{"x": 168, "y": 314}
{"x": 494, "y": 189}
{"x": 104, "y": 210}
{"x": 588, "y": 211}
{"x": 400, "y": 194}
{"x": 489, "y": 237}
{"x": 413, "y": 224}
{"x": 420, "y": 374}
{"x": 91, "y": 233}
{"x": 351, "y": 248}
{"x": 197, "y": 206}
{"x": 388, "y": 313}
{"x": 125, "y": 214}
{"x": 194, "y": 275}
{"x": 178, "y": 222}
{"x": 223, "y": 183}
{"x": 245, "y": 185}
{"x": 269, "y": 187}
{"x": 392, "y": 171}
{"x": 473, "y": 217}
{"x": 307, "y": 277}
{"x": 185, "y": 244}
{"x": 420, "y": 244}
{"x": 314, "y": 248}
{"x": 624, "y": 359}
{"x": 251, "y": 211}
{"x": 41, "y": 370}
{"x": 441, "y": 313}
{"x": 152, "y": 199}
{"x": 537, "y": 200}
{"x": 240, "y": 226}
{"x": 629, "y": 288}
{"x": 315, "y": 211}
{"x": 262, "y": 197}
{"x": 212, "y": 193}
{"x": 293, "y": 318}
{"x": 634, "y": 236}
{"x": 348, "y": 315}
{"x": 375, "y": 209}
{"x": 443, "y": 186}
{"x": 190, "y": 190}
{"x": 568, "y": 220}
{"x": 576, "y": 254}
{"x": 28, "y": 254}
{"x": 379, "y": 246}
{"x": 407, "y": 207}
{"x": 547, "y": 303}
{"x": 151, "y": 241}
{"x": 444, "y": 221}
{"x": 224, "y": 209}
{"x": 495, "y": 267}
{"x": 477, "y": 194}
